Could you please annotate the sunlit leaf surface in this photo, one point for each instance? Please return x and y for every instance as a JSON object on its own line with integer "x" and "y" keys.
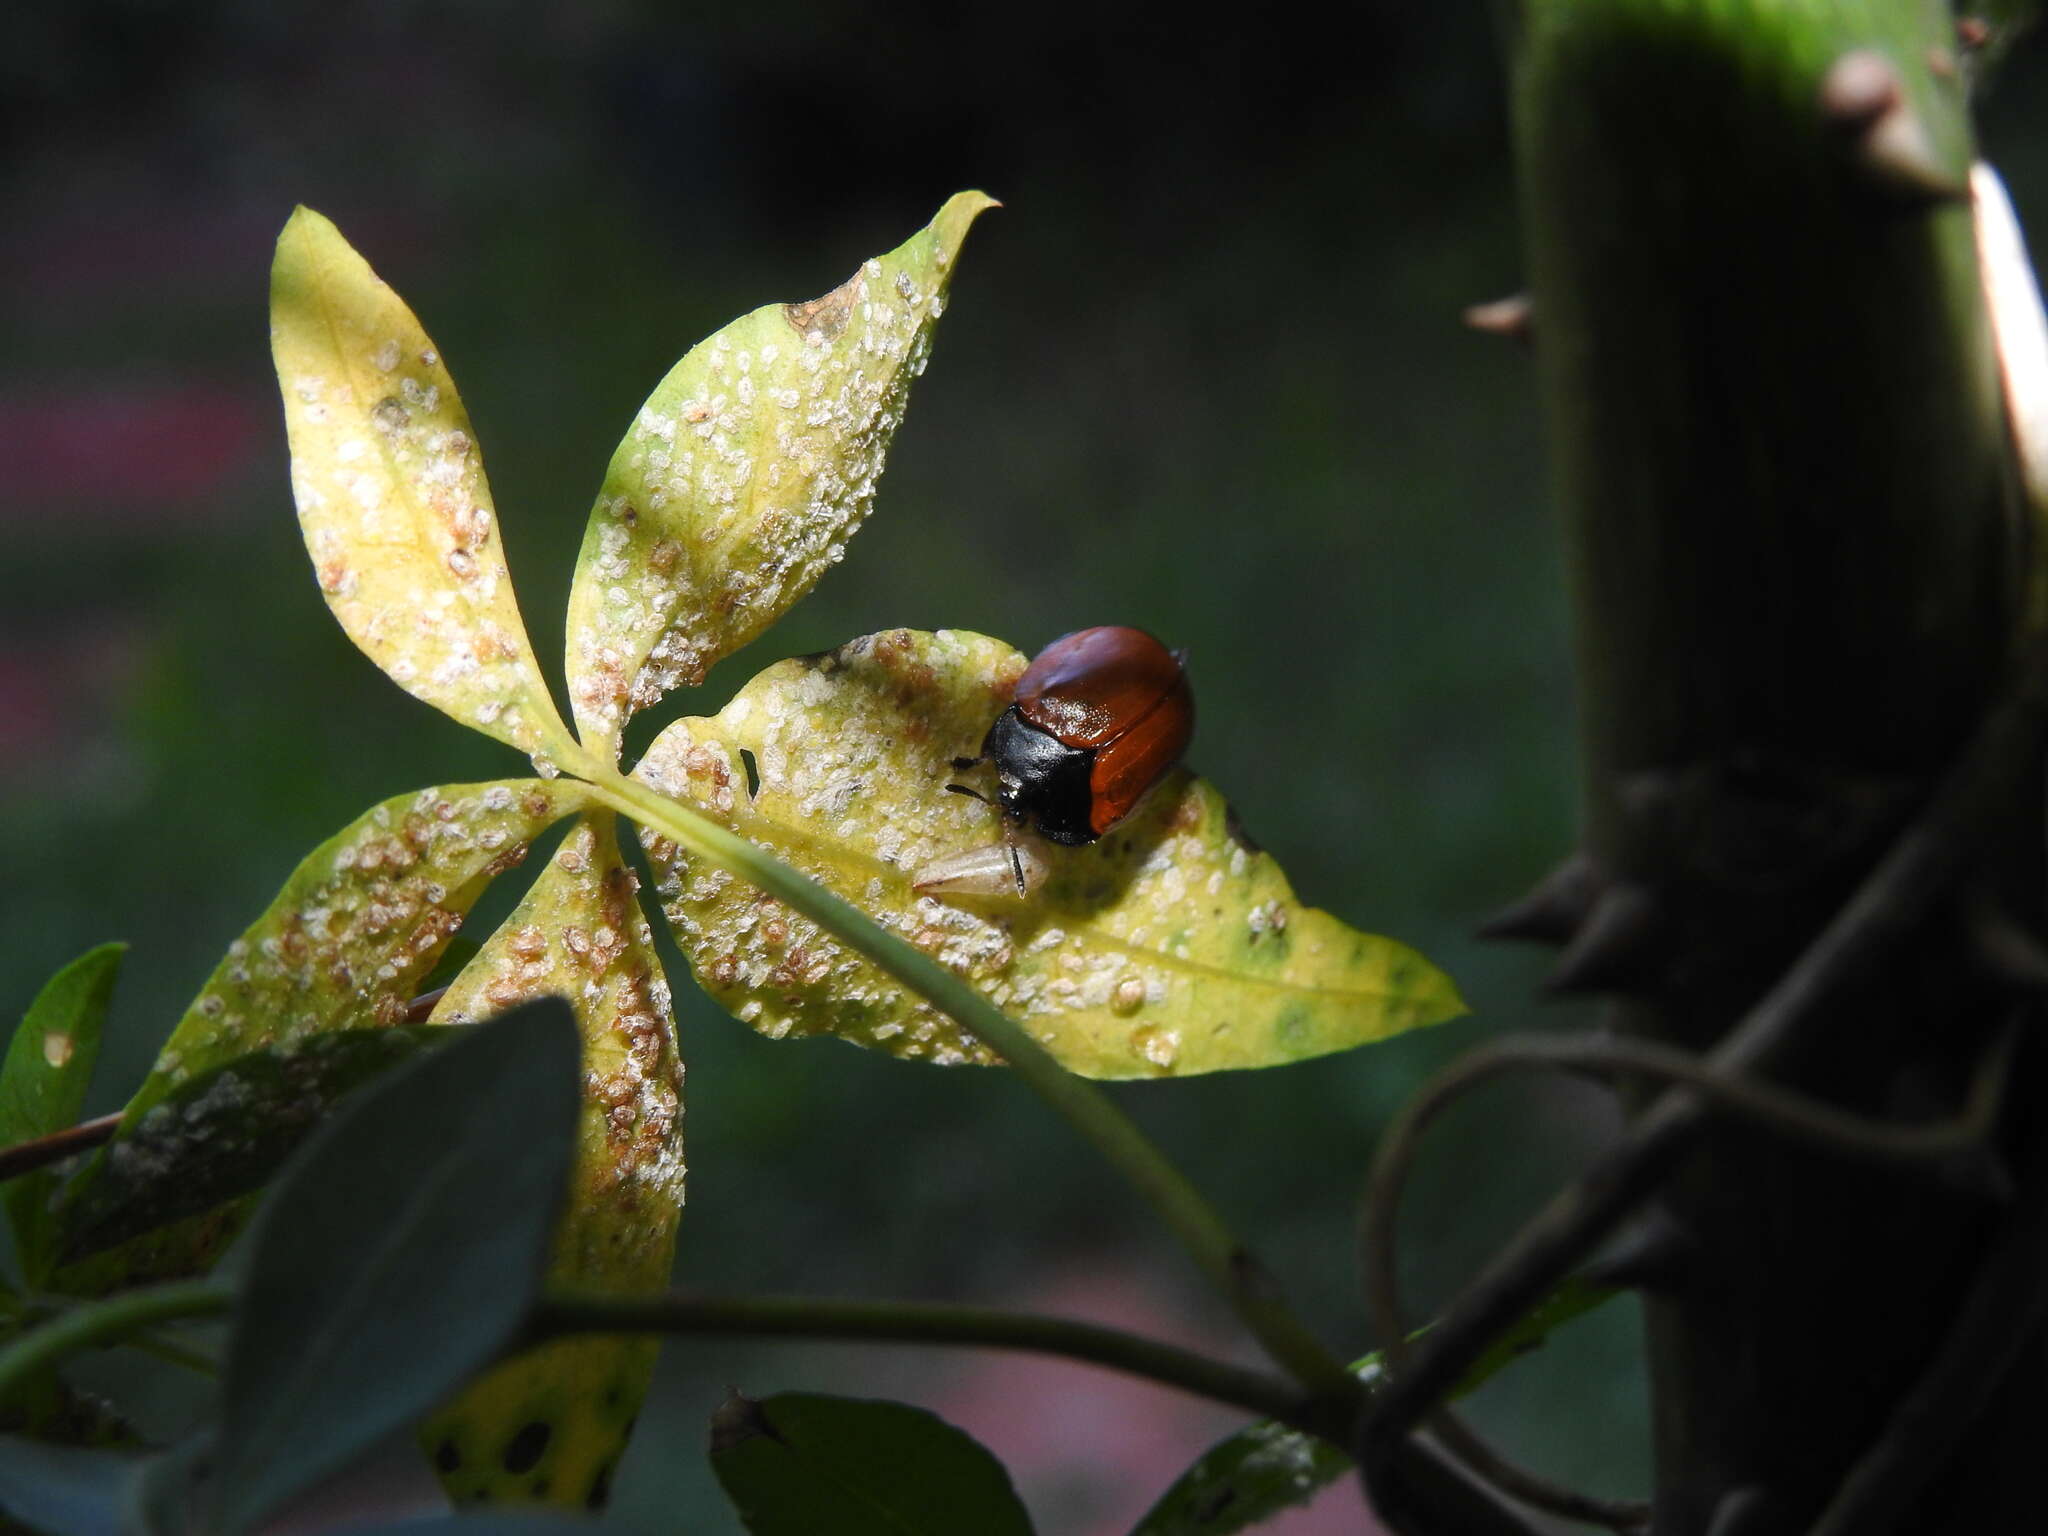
{"x": 1171, "y": 946}
{"x": 358, "y": 925}
{"x": 550, "y": 1425}
{"x": 744, "y": 475}
{"x": 391, "y": 492}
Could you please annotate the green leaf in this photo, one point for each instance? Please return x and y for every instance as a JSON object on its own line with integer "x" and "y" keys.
{"x": 392, "y": 498}
{"x": 42, "y": 1087}
{"x": 221, "y": 1134}
{"x": 66, "y": 1490}
{"x": 1171, "y": 946}
{"x": 799, "y": 1463}
{"x": 1268, "y": 1467}
{"x": 358, "y": 925}
{"x": 398, "y": 1254}
{"x": 46, "y": 1407}
{"x": 744, "y": 475}
{"x": 551, "y": 1424}
{"x": 1250, "y": 1477}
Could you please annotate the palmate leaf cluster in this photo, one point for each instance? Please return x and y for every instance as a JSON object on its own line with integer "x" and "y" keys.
{"x": 1173, "y": 946}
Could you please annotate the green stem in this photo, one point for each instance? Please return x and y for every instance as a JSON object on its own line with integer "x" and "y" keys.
{"x": 1231, "y": 1267}
{"x": 196, "y": 1361}
{"x": 38, "y": 1310}
{"x": 898, "y": 1322}
{"x": 106, "y": 1322}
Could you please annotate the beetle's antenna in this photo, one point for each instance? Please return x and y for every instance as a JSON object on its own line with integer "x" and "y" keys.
{"x": 962, "y": 789}
{"x": 962, "y": 764}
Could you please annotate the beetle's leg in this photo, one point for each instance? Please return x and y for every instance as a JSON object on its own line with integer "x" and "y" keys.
{"x": 1016, "y": 863}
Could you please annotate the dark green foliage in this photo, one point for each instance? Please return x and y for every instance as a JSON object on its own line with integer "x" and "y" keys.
{"x": 221, "y": 1135}
{"x": 398, "y": 1256}
{"x": 800, "y": 1463}
{"x": 66, "y": 1490}
{"x": 42, "y": 1087}
{"x": 1268, "y": 1467}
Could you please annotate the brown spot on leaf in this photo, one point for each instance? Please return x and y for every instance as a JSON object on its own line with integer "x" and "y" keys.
{"x": 1234, "y": 829}
{"x": 825, "y": 317}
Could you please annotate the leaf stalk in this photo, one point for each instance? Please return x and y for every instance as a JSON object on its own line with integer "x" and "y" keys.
{"x": 1229, "y": 1265}
{"x": 938, "y": 1323}
{"x": 107, "y": 1322}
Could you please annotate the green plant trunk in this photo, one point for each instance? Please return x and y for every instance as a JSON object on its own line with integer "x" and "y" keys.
{"x": 1796, "y": 558}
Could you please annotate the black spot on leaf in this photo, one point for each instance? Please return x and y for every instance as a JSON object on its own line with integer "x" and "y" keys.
{"x": 600, "y": 1488}
{"x": 527, "y": 1446}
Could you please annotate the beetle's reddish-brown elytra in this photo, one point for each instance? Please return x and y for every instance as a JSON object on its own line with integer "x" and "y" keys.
{"x": 1099, "y": 717}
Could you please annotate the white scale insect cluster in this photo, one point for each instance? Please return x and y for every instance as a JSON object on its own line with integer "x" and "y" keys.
{"x": 754, "y": 480}
{"x": 399, "y": 523}
{"x": 847, "y": 798}
{"x": 358, "y": 925}
{"x": 579, "y": 935}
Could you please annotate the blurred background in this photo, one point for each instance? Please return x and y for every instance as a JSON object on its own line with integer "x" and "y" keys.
{"x": 1203, "y": 374}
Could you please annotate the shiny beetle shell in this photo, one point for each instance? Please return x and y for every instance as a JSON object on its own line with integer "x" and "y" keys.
{"x": 1100, "y": 716}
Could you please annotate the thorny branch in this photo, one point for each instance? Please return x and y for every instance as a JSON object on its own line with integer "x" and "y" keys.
{"x": 1924, "y": 865}
{"x": 1940, "y": 1148}
{"x": 2006, "y": 1304}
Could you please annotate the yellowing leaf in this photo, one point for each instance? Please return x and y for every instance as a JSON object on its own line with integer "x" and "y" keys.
{"x": 391, "y": 492}
{"x": 359, "y": 923}
{"x": 1173, "y": 945}
{"x": 744, "y": 475}
{"x": 549, "y": 1425}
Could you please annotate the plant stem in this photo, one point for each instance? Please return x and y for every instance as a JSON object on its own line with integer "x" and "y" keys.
{"x": 105, "y": 1322}
{"x": 27, "y": 1156}
{"x": 900, "y": 1322}
{"x": 1935, "y": 1146}
{"x": 1923, "y": 865}
{"x": 1230, "y": 1266}
{"x": 2004, "y": 1305}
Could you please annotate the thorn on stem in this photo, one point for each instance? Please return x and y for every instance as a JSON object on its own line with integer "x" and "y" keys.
{"x": 1745, "y": 1511}
{"x": 1655, "y": 1252}
{"x": 1513, "y": 317}
{"x": 1863, "y": 96}
{"x": 1614, "y": 947}
{"x": 737, "y": 1420}
{"x": 1554, "y": 910}
{"x": 1972, "y": 32}
{"x": 2009, "y": 953}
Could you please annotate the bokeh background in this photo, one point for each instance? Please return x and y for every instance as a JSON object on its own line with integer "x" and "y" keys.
{"x": 1203, "y": 373}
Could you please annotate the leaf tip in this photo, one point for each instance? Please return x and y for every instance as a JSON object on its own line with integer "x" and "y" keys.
{"x": 304, "y": 224}
{"x": 956, "y": 217}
